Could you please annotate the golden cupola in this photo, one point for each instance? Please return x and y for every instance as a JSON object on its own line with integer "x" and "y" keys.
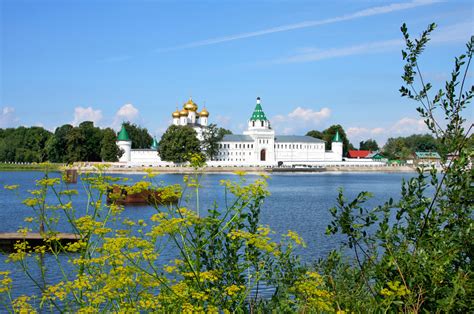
{"x": 204, "y": 113}
{"x": 190, "y": 105}
{"x": 183, "y": 113}
{"x": 176, "y": 113}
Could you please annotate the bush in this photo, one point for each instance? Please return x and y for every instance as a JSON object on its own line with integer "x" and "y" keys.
{"x": 415, "y": 254}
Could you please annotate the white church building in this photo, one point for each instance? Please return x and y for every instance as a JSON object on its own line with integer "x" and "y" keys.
{"x": 257, "y": 146}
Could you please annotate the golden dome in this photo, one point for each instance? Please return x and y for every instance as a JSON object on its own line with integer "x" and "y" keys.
{"x": 190, "y": 105}
{"x": 204, "y": 113}
{"x": 183, "y": 113}
{"x": 176, "y": 113}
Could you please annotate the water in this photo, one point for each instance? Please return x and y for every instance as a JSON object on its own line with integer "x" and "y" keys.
{"x": 298, "y": 202}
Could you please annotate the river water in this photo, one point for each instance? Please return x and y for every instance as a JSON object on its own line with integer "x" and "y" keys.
{"x": 298, "y": 202}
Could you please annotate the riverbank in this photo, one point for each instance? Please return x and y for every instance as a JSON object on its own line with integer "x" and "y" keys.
{"x": 50, "y": 167}
{"x": 227, "y": 169}
{"x": 121, "y": 168}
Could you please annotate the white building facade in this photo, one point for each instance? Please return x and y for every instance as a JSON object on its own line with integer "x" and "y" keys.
{"x": 257, "y": 146}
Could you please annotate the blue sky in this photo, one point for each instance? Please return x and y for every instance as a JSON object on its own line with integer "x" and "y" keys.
{"x": 313, "y": 63}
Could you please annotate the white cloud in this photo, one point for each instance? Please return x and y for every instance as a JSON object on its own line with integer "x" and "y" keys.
{"x": 284, "y": 28}
{"x": 404, "y": 127}
{"x": 309, "y": 114}
{"x": 300, "y": 120}
{"x": 409, "y": 125}
{"x": 86, "y": 114}
{"x": 7, "y": 117}
{"x": 127, "y": 113}
{"x": 460, "y": 32}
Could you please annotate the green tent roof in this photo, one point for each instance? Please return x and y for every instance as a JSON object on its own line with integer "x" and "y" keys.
{"x": 258, "y": 113}
{"x": 123, "y": 135}
{"x": 154, "y": 145}
{"x": 337, "y": 137}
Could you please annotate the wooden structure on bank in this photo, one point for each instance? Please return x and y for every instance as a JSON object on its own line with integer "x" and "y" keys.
{"x": 8, "y": 239}
{"x": 120, "y": 196}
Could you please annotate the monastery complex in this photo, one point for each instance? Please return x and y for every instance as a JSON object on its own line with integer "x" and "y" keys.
{"x": 257, "y": 146}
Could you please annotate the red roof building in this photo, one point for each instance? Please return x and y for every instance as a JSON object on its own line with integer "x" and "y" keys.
{"x": 358, "y": 153}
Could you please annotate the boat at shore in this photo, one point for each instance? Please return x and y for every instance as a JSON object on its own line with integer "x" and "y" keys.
{"x": 124, "y": 195}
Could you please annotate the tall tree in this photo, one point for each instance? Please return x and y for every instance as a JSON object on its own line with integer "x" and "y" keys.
{"x": 139, "y": 136}
{"x": 212, "y": 136}
{"x": 109, "y": 151}
{"x": 23, "y": 144}
{"x": 369, "y": 144}
{"x": 75, "y": 146}
{"x": 177, "y": 143}
{"x": 328, "y": 134}
{"x": 56, "y": 147}
{"x": 92, "y": 141}
{"x": 396, "y": 148}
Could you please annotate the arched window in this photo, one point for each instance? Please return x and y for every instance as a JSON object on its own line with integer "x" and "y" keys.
{"x": 262, "y": 123}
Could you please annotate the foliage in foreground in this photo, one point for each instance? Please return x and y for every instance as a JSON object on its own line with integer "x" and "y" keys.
{"x": 415, "y": 254}
{"x": 221, "y": 259}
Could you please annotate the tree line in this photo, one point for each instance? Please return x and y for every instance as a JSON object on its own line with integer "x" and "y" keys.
{"x": 87, "y": 142}
{"x": 67, "y": 144}
{"x": 401, "y": 148}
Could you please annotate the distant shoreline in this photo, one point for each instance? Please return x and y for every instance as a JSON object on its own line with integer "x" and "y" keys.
{"x": 91, "y": 168}
{"x": 262, "y": 170}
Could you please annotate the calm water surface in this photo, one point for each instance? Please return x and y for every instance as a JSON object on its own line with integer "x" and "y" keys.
{"x": 298, "y": 202}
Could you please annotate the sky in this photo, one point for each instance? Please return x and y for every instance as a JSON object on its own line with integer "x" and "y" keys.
{"x": 313, "y": 63}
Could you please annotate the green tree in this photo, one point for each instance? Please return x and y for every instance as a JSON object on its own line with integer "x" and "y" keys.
{"x": 75, "y": 146}
{"x": 404, "y": 147}
{"x": 212, "y": 136}
{"x": 109, "y": 151}
{"x": 421, "y": 142}
{"x": 396, "y": 148}
{"x": 316, "y": 134}
{"x": 56, "y": 147}
{"x": 369, "y": 144}
{"x": 92, "y": 141}
{"x": 328, "y": 134}
{"x": 178, "y": 143}
{"x": 139, "y": 136}
{"x": 222, "y": 131}
{"x": 24, "y": 144}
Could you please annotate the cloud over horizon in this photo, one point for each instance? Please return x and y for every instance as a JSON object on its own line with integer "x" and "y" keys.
{"x": 8, "y": 118}
{"x": 127, "y": 112}
{"x": 403, "y": 127}
{"x": 300, "y": 119}
{"x": 86, "y": 114}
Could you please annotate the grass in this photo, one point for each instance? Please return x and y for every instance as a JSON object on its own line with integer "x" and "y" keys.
{"x": 30, "y": 166}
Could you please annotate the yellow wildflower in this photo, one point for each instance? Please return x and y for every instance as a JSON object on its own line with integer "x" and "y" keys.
{"x": 11, "y": 187}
